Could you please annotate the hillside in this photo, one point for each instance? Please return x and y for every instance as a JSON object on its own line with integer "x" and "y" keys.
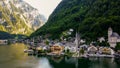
{"x": 91, "y": 18}
{"x": 18, "y": 17}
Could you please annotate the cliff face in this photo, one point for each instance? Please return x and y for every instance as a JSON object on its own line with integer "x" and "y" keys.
{"x": 91, "y": 18}
{"x": 18, "y": 17}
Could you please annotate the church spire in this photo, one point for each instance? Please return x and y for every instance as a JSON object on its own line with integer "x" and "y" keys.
{"x": 109, "y": 29}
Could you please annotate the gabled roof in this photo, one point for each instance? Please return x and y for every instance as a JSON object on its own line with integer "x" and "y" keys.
{"x": 119, "y": 37}
{"x": 115, "y": 35}
{"x": 58, "y": 44}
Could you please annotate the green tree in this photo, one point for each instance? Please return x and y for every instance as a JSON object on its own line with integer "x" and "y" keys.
{"x": 91, "y": 18}
{"x": 82, "y": 51}
{"x": 47, "y": 42}
{"x": 103, "y": 43}
{"x": 117, "y": 47}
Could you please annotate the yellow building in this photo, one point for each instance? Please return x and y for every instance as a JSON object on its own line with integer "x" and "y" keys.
{"x": 106, "y": 50}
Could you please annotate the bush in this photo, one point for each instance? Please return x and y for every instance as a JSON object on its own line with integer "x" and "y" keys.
{"x": 117, "y": 47}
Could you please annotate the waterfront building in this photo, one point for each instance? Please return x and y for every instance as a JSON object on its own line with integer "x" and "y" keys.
{"x": 106, "y": 50}
{"x": 92, "y": 50}
{"x": 57, "y": 48}
{"x": 3, "y": 41}
{"x": 72, "y": 49}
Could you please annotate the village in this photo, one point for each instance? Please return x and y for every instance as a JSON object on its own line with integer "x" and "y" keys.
{"x": 77, "y": 47}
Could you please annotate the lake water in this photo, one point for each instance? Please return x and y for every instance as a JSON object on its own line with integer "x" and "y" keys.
{"x": 13, "y": 56}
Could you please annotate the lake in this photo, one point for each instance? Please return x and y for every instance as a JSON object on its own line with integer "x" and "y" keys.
{"x": 13, "y": 56}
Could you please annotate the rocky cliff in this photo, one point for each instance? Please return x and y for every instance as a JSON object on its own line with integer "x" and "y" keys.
{"x": 18, "y": 17}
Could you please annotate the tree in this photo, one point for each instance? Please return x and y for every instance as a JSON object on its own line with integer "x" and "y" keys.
{"x": 82, "y": 51}
{"x": 117, "y": 47}
{"x": 68, "y": 51}
{"x": 47, "y": 42}
{"x": 103, "y": 43}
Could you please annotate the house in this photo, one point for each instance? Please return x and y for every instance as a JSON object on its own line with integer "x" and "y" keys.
{"x": 84, "y": 47}
{"x": 101, "y": 39}
{"x": 57, "y": 48}
{"x": 3, "y": 41}
{"x": 70, "y": 46}
{"x": 106, "y": 50}
{"x": 92, "y": 50}
{"x": 113, "y": 38}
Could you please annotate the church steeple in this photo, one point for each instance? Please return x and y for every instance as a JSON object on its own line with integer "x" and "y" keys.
{"x": 110, "y": 31}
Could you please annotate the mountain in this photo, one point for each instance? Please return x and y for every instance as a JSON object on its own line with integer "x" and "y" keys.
{"x": 91, "y": 18}
{"x": 18, "y": 17}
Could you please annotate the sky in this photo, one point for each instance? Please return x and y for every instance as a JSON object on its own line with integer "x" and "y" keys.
{"x": 45, "y": 7}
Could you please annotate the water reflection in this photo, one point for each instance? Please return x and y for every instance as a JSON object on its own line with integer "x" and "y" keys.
{"x": 44, "y": 63}
{"x": 102, "y": 63}
{"x": 13, "y": 56}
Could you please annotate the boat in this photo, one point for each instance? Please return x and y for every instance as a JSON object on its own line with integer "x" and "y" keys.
{"x": 29, "y": 51}
{"x": 3, "y": 41}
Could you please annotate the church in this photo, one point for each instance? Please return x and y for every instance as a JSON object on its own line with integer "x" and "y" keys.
{"x": 113, "y": 38}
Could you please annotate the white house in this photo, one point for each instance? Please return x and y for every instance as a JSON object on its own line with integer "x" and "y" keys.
{"x": 70, "y": 46}
{"x": 113, "y": 37}
{"x": 92, "y": 50}
{"x": 3, "y": 41}
{"x": 101, "y": 39}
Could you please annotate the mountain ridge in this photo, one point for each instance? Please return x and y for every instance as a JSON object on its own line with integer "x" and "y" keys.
{"x": 18, "y": 17}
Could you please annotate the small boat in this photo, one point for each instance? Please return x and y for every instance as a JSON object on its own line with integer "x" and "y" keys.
{"x": 29, "y": 51}
{"x": 25, "y": 50}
